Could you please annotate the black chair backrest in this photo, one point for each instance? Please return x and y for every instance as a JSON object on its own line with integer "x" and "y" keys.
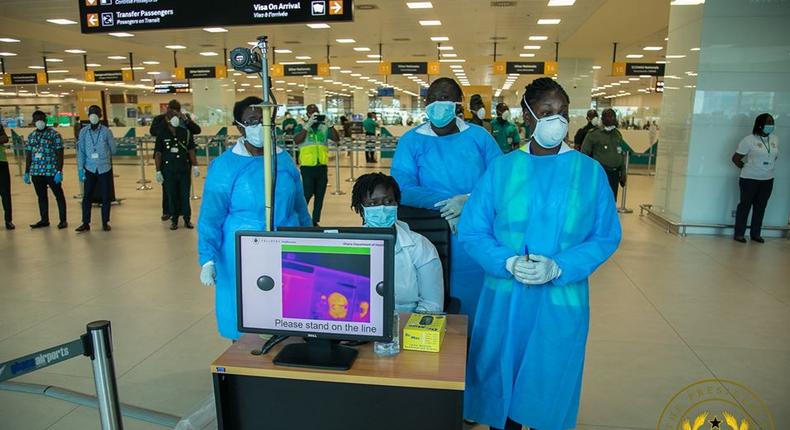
{"x": 431, "y": 225}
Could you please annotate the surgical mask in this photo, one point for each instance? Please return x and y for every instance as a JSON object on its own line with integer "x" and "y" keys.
{"x": 175, "y": 121}
{"x": 253, "y": 134}
{"x": 609, "y": 127}
{"x": 440, "y": 113}
{"x": 380, "y": 216}
{"x": 595, "y": 121}
{"x": 481, "y": 113}
{"x": 40, "y": 125}
{"x": 506, "y": 115}
{"x": 93, "y": 118}
{"x": 768, "y": 128}
{"x": 549, "y": 131}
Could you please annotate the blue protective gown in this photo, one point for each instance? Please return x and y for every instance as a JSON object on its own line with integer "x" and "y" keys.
{"x": 233, "y": 199}
{"x": 527, "y": 349}
{"x": 429, "y": 169}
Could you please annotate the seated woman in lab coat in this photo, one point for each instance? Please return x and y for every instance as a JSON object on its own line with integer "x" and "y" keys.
{"x": 419, "y": 282}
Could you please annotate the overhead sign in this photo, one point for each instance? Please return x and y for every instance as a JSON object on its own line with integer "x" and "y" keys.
{"x": 525, "y": 67}
{"x": 204, "y": 72}
{"x": 103, "y": 16}
{"x": 409, "y": 68}
{"x": 171, "y": 88}
{"x": 280, "y": 70}
{"x": 638, "y": 69}
{"x": 108, "y": 75}
{"x": 385, "y": 92}
{"x": 25, "y": 78}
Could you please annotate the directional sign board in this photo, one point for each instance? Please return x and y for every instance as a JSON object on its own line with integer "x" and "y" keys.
{"x": 638, "y": 69}
{"x": 525, "y": 67}
{"x": 202, "y": 72}
{"x": 25, "y": 78}
{"x": 409, "y": 68}
{"x": 104, "y": 16}
{"x": 108, "y": 75}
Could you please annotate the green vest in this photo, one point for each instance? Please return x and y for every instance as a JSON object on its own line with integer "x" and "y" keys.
{"x": 314, "y": 151}
{"x": 607, "y": 147}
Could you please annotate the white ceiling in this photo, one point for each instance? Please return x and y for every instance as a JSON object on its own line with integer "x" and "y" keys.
{"x": 587, "y": 30}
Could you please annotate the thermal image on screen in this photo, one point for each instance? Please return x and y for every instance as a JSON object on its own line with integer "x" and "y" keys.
{"x": 326, "y": 283}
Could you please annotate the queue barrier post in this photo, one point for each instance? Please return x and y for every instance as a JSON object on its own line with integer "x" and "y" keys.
{"x": 19, "y": 154}
{"x": 338, "y": 191}
{"x": 143, "y": 182}
{"x": 623, "y": 209}
{"x": 351, "y": 159}
{"x": 104, "y": 375}
{"x": 650, "y": 161}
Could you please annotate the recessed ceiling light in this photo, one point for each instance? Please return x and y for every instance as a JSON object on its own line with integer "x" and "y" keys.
{"x": 150, "y": 62}
{"x": 687, "y": 2}
{"x": 652, "y": 48}
{"x": 367, "y": 61}
{"x": 345, "y": 41}
{"x": 452, "y": 60}
{"x": 356, "y": 75}
{"x": 93, "y": 65}
{"x": 8, "y": 40}
{"x": 449, "y": 55}
{"x": 302, "y": 57}
{"x": 35, "y": 67}
{"x": 334, "y": 67}
{"x": 153, "y": 73}
{"x": 675, "y": 56}
{"x": 215, "y": 30}
{"x": 548, "y": 21}
{"x": 209, "y": 54}
{"x": 374, "y": 56}
{"x": 75, "y": 51}
{"x": 362, "y": 49}
{"x": 253, "y": 76}
{"x": 121, "y": 34}
{"x": 419, "y": 5}
{"x": 440, "y": 38}
{"x": 7, "y": 54}
{"x": 430, "y": 22}
{"x": 133, "y": 68}
{"x": 319, "y": 25}
{"x": 456, "y": 66}
{"x": 526, "y": 55}
{"x": 531, "y": 47}
{"x": 175, "y": 47}
{"x": 345, "y": 71}
{"x": 117, "y": 57}
{"x": 694, "y": 49}
{"x": 538, "y": 37}
{"x": 61, "y": 21}
{"x": 634, "y": 56}
{"x": 596, "y": 67}
{"x": 282, "y": 51}
{"x": 292, "y": 62}
{"x": 145, "y": 80}
{"x": 561, "y": 2}
{"x": 54, "y": 60}
{"x": 445, "y": 48}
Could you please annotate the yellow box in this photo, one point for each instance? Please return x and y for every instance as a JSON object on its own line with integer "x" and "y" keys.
{"x": 424, "y": 332}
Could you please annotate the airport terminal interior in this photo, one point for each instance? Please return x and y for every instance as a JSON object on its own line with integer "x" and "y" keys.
{"x": 682, "y": 318}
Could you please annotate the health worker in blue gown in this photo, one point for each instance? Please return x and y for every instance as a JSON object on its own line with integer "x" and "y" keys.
{"x": 233, "y": 200}
{"x": 436, "y": 165}
{"x": 540, "y": 222}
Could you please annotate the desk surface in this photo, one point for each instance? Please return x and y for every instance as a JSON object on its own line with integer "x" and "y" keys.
{"x": 443, "y": 370}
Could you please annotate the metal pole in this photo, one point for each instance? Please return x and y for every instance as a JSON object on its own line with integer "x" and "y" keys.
{"x": 192, "y": 189}
{"x": 104, "y": 375}
{"x": 351, "y": 158}
{"x": 208, "y": 151}
{"x": 650, "y": 161}
{"x": 338, "y": 191}
{"x": 268, "y": 144}
{"x": 143, "y": 182}
{"x": 623, "y": 209}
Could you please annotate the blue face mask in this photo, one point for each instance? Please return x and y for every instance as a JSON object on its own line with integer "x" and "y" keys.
{"x": 440, "y": 113}
{"x": 768, "y": 128}
{"x": 380, "y": 216}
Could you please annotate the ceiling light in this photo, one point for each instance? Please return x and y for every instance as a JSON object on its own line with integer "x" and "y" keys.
{"x": 8, "y": 40}
{"x": 215, "y": 30}
{"x": 93, "y": 65}
{"x": 345, "y": 41}
{"x": 532, "y": 47}
{"x": 687, "y": 2}
{"x": 526, "y": 55}
{"x": 133, "y": 68}
{"x": 449, "y": 55}
{"x": 561, "y": 2}
{"x": 245, "y": 85}
{"x": 75, "y": 51}
{"x": 361, "y": 49}
{"x": 281, "y": 51}
{"x": 150, "y": 62}
{"x": 175, "y": 47}
{"x": 209, "y": 54}
{"x": 419, "y": 5}
{"x": 334, "y": 67}
{"x": 652, "y": 48}
{"x": 302, "y": 57}
{"x": 57, "y": 71}
{"x": 356, "y": 75}
{"x": 61, "y": 21}
{"x": 121, "y": 34}
{"x": 456, "y": 66}
{"x": 54, "y": 60}
{"x": 7, "y": 54}
{"x": 430, "y": 22}
{"x": 596, "y": 67}
{"x": 345, "y": 71}
{"x": 634, "y": 56}
{"x": 374, "y": 56}
{"x": 633, "y": 79}
{"x": 116, "y": 57}
{"x": 440, "y": 38}
{"x": 253, "y": 76}
{"x": 538, "y": 37}
{"x": 661, "y": 62}
{"x": 292, "y": 62}
{"x": 694, "y": 49}
{"x": 35, "y": 67}
{"x": 445, "y": 48}
{"x": 368, "y": 61}
{"x": 152, "y": 73}
{"x": 675, "y": 56}
{"x": 548, "y": 21}
{"x": 452, "y": 60}
{"x": 319, "y": 25}
{"x": 145, "y": 80}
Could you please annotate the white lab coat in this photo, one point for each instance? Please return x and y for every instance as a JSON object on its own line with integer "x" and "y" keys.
{"x": 419, "y": 281}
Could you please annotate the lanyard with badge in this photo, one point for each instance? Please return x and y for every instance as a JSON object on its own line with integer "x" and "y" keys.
{"x": 766, "y": 144}
{"x": 95, "y": 140}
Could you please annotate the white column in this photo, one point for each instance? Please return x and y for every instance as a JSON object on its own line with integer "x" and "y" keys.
{"x": 361, "y": 102}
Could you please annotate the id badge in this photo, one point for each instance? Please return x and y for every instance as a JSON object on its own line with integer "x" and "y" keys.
{"x": 95, "y": 156}
{"x": 38, "y": 156}
{"x": 174, "y": 150}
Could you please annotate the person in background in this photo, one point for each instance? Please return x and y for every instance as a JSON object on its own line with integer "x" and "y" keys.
{"x": 419, "y": 281}
{"x": 174, "y": 154}
{"x": 5, "y": 181}
{"x": 606, "y": 146}
{"x": 592, "y": 122}
{"x": 233, "y": 200}
{"x": 313, "y": 143}
{"x": 159, "y": 125}
{"x": 436, "y": 165}
{"x": 539, "y": 222}
{"x": 95, "y": 148}
{"x": 756, "y": 157}
{"x": 478, "y": 109}
{"x": 44, "y": 168}
{"x": 370, "y": 125}
{"x": 346, "y": 125}
{"x": 505, "y": 132}
{"x": 289, "y": 124}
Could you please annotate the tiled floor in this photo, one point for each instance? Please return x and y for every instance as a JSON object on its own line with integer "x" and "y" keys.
{"x": 666, "y": 312}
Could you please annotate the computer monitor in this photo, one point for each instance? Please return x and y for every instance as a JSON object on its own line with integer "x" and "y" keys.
{"x": 317, "y": 285}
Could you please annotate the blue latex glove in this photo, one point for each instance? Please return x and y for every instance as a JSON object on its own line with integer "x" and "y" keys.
{"x": 58, "y": 177}
{"x": 26, "y": 178}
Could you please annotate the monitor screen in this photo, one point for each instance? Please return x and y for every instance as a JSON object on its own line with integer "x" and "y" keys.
{"x": 315, "y": 284}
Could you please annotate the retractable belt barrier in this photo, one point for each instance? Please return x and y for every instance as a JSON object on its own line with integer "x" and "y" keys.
{"x": 623, "y": 209}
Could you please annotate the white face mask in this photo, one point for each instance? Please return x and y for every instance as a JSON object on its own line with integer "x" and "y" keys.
{"x": 253, "y": 134}
{"x": 595, "y": 121}
{"x": 481, "y": 113}
{"x": 549, "y": 131}
{"x": 506, "y": 115}
{"x": 40, "y": 125}
{"x": 175, "y": 121}
{"x": 93, "y": 118}
{"x": 609, "y": 127}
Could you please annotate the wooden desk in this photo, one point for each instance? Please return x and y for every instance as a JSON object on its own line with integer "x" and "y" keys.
{"x": 411, "y": 390}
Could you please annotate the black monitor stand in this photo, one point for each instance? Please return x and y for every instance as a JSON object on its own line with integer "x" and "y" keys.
{"x": 316, "y": 353}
